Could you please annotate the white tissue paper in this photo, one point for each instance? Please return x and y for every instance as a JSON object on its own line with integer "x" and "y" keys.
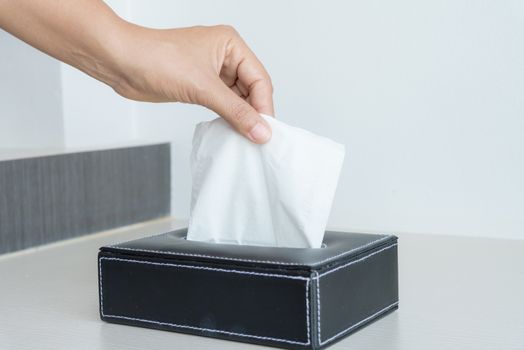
{"x": 277, "y": 194}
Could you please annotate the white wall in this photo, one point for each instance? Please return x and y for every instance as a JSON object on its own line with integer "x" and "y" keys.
{"x": 426, "y": 96}
{"x": 47, "y": 104}
{"x": 30, "y": 97}
{"x": 94, "y": 115}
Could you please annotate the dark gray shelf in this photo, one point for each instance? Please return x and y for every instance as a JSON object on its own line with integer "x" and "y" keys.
{"x": 50, "y": 198}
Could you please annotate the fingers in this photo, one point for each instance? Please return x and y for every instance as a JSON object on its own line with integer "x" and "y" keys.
{"x": 261, "y": 97}
{"x": 241, "y": 68}
{"x": 236, "y": 86}
{"x": 239, "y": 113}
{"x": 253, "y": 77}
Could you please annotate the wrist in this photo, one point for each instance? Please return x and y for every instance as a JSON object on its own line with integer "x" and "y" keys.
{"x": 110, "y": 54}
{"x": 98, "y": 50}
{"x": 127, "y": 58}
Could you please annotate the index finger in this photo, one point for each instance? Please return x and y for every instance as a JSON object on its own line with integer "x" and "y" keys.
{"x": 255, "y": 80}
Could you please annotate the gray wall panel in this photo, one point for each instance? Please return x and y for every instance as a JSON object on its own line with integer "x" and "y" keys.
{"x": 50, "y": 198}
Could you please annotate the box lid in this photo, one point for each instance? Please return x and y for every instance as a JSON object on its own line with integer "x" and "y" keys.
{"x": 337, "y": 246}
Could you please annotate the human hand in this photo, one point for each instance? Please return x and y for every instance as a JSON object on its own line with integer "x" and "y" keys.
{"x": 209, "y": 66}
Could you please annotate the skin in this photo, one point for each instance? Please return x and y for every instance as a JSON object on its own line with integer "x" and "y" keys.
{"x": 209, "y": 66}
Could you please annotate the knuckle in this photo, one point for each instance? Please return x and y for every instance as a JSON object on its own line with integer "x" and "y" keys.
{"x": 265, "y": 84}
{"x": 270, "y": 85}
{"x": 227, "y": 29}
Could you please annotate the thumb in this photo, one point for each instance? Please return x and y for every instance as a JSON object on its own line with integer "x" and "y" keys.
{"x": 240, "y": 114}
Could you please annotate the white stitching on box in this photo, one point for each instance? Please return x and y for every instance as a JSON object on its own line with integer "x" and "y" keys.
{"x": 116, "y": 246}
{"x": 355, "y": 261}
{"x": 100, "y": 286}
{"x": 308, "y": 281}
{"x": 207, "y": 329}
{"x": 308, "y": 325}
{"x": 210, "y": 269}
{"x": 358, "y": 323}
{"x": 317, "y": 278}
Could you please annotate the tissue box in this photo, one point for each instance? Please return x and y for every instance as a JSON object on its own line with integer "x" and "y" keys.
{"x": 284, "y": 297}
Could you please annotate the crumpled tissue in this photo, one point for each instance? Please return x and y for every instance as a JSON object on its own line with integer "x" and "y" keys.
{"x": 277, "y": 194}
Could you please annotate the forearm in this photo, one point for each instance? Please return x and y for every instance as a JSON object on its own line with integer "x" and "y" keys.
{"x": 82, "y": 33}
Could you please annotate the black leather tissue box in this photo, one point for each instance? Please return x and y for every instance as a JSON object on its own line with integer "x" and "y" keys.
{"x": 283, "y": 297}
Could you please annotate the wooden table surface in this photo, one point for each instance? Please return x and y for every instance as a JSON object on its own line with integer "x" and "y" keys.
{"x": 455, "y": 293}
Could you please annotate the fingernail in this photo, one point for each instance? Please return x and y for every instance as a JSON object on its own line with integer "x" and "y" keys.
{"x": 259, "y": 133}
